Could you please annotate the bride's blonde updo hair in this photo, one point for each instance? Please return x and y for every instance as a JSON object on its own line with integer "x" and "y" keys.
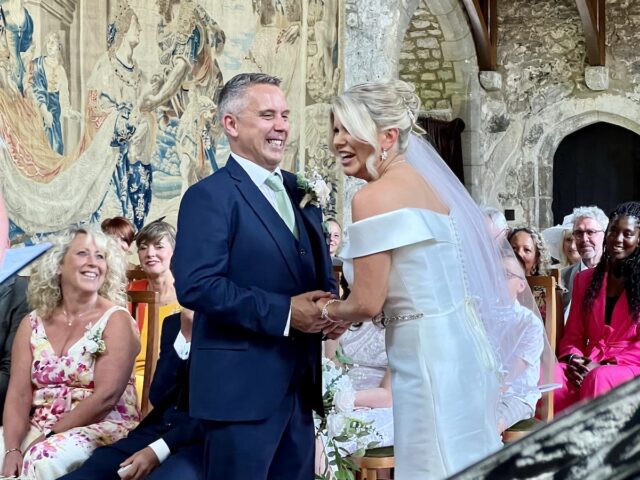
{"x": 373, "y": 107}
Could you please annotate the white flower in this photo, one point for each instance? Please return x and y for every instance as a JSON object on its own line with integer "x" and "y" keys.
{"x": 336, "y": 423}
{"x": 344, "y": 400}
{"x": 316, "y": 190}
{"x": 92, "y": 347}
{"x": 94, "y": 344}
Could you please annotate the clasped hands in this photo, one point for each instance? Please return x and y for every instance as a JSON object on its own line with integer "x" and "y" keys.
{"x": 306, "y": 315}
{"x": 578, "y": 367}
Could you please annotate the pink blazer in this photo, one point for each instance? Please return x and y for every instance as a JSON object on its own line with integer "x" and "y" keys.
{"x": 586, "y": 333}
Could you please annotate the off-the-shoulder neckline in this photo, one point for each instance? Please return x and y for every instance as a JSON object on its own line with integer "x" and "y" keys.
{"x": 403, "y": 209}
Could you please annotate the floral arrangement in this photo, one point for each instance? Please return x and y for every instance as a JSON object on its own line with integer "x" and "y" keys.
{"x": 339, "y": 426}
{"x": 94, "y": 344}
{"x": 316, "y": 190}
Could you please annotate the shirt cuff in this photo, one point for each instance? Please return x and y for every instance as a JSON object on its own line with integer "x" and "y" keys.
{"x": 161, "y": 449}
{"x": 182, "y": 347}
{"x": 288, "y": 325}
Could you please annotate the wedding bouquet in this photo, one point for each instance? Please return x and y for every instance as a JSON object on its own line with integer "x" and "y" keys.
{"x": 340, "y": 427}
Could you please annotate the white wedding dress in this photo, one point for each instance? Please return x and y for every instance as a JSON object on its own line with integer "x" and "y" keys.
{"x": 444, "y": 377}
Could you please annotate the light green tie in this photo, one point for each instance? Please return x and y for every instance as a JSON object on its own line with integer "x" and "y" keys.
{"x": 283, "y": 203}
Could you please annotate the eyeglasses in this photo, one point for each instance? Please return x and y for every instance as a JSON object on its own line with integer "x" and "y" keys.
{"x": 588, "y": 233}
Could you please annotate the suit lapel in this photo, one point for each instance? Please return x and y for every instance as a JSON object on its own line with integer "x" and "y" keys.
{"x": 308, "y": 221}
{"x": 270, "y": 219}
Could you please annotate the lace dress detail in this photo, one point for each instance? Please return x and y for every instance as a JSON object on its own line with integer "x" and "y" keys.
{"x": 365, "y": 346}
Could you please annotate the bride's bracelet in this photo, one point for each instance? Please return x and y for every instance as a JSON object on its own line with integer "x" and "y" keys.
{"x": 325, "y": 313}
{"x": 10, "y": 450}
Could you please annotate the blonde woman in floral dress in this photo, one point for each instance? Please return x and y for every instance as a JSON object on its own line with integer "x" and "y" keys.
{"x": 71, "y": 388}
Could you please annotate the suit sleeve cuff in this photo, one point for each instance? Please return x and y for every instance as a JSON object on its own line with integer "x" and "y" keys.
{"x": 288, "y": 325}
{"x": 161, "y": 449}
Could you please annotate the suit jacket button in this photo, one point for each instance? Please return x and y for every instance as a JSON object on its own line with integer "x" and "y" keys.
{"x": 303, "y": 252}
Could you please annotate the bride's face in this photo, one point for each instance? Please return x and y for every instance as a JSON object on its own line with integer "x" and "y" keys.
{"x": 351, "y": 152}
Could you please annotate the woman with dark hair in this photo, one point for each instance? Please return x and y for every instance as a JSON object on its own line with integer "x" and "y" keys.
{"x": 600, "y": 348}
{"x": 121, "y": 229}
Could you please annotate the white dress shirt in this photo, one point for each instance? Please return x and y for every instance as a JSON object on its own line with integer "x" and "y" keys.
{"x": 259, "y": 176}
{"x": 183, "y": 348}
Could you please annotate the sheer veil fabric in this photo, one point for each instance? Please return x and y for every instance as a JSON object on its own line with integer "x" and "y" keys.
{"x": 482, "y": 258}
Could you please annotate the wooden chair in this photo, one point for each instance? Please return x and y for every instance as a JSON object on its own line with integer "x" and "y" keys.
{"x": 544, "y": 410}
{"x": 152, "y": 300}
{"x": 136, "y": 274}
{"x": 374, "y": 462}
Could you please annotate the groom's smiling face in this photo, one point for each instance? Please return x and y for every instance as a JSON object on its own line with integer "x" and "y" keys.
{"x": 262, "y": 126}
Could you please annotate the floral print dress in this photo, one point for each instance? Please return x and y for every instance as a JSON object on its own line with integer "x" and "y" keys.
{"x": 59, "y": 384}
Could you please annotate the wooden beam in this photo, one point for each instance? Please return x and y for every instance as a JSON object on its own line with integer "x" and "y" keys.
{"x": 483, "y": 16}
{"x": 592, "y": 14}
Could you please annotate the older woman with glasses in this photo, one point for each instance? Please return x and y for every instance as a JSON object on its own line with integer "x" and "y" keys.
{"x": 600, "y": 348}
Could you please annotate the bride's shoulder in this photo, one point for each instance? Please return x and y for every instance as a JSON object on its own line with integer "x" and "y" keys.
{"x": 377, "y": 198}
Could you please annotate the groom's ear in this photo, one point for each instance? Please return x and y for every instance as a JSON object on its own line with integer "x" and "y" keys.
{"x": 230, "y": 125}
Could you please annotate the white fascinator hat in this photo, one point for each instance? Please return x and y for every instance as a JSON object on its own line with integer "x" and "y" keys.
{"x": 554, "y": 237}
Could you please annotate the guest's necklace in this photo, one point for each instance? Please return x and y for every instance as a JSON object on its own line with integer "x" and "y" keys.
{"x": 391, "y": 164}
{"x": 76, "y": 315}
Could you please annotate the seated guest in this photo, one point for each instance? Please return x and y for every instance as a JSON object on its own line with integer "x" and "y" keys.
{"x": 335, "y": 237}
{"x": 155, "y": 243}
{"x": 519, "y": 401}
{"x": 168, "y": 444}
{"x": 562, "y": 245}
{"x": 530, "y": 247}
{"x": 600, "y": 348}
{"x": 13, "y": 308}
{"x": 497, "y": 223}
{"x": 121, "y": 229}
{"x": 364, "y": 345}
{"x": 589, "y": 224}
{"x": 71, "y": 388}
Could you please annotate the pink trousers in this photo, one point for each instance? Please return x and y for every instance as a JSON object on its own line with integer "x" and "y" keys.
{"x": 597, "y": 382}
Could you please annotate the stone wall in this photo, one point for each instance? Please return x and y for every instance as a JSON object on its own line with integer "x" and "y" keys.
{"x": 544, "y": 97}
{"x": 421, "y": 60}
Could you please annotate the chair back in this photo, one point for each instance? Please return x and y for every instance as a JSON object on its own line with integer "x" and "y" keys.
{"x": 547, "y": 286}
{"x": 140, "y": 298}
{"x": 136, "y": 274}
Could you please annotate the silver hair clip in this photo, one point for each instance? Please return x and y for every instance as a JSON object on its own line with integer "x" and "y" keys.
{"x": 412, "y": 117}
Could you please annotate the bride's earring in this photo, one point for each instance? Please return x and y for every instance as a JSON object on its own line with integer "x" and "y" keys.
{"x": 383, "y": 155}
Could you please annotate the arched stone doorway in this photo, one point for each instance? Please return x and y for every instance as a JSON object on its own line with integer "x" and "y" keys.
{"x": 596, "y": 165}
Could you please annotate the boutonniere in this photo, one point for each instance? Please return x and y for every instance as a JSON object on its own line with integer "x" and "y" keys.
{"x": 316, "y": 190}
{"x": 94, "y": 343}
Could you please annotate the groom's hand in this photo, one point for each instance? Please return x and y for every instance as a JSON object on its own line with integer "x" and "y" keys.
{"x": 305, "y": 315}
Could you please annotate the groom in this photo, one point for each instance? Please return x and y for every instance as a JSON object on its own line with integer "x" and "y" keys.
{"x": 251, "y": 263}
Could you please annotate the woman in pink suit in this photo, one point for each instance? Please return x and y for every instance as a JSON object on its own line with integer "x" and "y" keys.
{"x": 600, "y": 348}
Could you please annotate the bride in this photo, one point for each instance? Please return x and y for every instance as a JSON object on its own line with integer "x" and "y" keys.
{"x": 420, "y": 253}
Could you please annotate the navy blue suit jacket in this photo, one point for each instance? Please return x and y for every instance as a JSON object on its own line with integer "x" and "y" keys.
{"x": 168, "y": 385}
{"x": 237, "y": 265}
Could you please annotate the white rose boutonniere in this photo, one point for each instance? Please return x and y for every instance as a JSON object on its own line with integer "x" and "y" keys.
{"x": 94, "y": 344}
{"x": 316, "y": 190}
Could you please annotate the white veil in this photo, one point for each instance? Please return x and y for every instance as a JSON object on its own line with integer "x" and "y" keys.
{"x": 482, "y": 259}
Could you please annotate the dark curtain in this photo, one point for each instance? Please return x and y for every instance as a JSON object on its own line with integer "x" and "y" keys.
{"x": 445, "y": 137}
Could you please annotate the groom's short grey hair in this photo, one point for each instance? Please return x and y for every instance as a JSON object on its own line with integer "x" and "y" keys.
{"x": 232, "y": 96}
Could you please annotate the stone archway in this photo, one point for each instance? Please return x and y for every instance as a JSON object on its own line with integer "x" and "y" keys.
{"x": 562, "y": 120}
